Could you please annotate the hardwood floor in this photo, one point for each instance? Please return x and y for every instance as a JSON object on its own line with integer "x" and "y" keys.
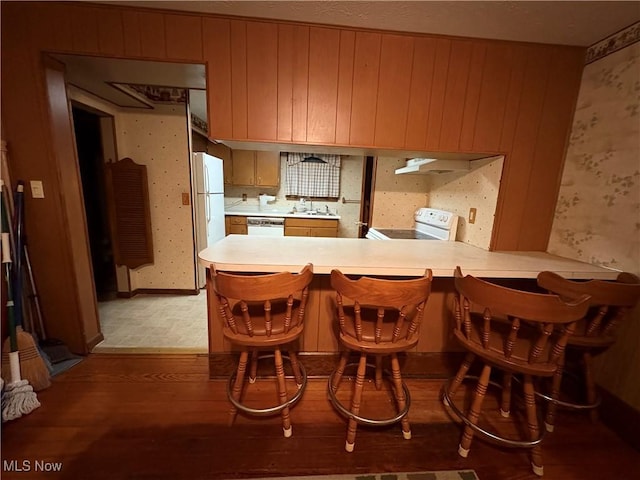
{"x": 160, "y": 417}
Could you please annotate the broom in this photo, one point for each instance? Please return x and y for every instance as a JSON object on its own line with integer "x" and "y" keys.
{"x": 32, "y": 366}
{"x": 18, "y": 398}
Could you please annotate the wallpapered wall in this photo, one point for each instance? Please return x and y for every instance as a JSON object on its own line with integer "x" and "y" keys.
{"x": 597, "y": 216}
{"x": 159, "y": 140}
{"x": 350, "y": 189}
{"x": 457, "y": 192}
{"x": 397, "y": 197}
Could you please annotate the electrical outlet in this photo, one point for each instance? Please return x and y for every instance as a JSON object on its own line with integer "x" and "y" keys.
{"x": 472, "y": 215}
{"x": 185, "y": 198}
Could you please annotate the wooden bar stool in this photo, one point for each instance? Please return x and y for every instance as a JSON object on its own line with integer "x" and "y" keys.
{"x": 610, "y": 305}
{"x": 515, "y": 332}
{"x": 377, "y": 317}
{"x": 263, "y": 312}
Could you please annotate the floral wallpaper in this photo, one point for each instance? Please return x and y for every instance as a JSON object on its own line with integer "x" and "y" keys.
{"x": 597, "y": 217}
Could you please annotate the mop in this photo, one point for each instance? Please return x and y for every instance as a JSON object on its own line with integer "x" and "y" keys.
{"x": 18, "y": 397}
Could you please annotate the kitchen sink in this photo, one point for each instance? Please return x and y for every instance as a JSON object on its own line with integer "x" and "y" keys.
{"x": 314, "y": 213}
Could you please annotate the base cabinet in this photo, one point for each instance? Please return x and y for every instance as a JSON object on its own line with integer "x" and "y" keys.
{"x": 303, "y": 227}
{"x": 235, "y": 225}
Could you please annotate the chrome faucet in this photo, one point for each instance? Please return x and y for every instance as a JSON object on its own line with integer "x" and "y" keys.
{"x": 326, "y": 208}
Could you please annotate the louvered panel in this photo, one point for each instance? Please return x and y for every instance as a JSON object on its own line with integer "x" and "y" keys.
{"x": 129, "y": 212}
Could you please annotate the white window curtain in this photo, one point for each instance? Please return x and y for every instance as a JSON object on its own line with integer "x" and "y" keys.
{"x": 313, "y": 175}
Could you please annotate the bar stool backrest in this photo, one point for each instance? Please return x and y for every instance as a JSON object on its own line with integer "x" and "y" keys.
{"x": 610, "y": 304}
{"x": 377, "y": 310}
{"x": 262, "y": 304}
{"x": 515, "y": 330}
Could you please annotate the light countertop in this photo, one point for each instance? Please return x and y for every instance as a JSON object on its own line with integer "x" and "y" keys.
{"x": 268, "y": 211}
{"x": 386, "y": 257}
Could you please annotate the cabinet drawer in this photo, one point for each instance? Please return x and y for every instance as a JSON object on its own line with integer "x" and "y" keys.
{"x": 297, "y": 231}
{"x": 324, "y": 232}
{"x": 311, "y": 222}
{"x": 237, "y": 220}
{"x": 237, "y": 229}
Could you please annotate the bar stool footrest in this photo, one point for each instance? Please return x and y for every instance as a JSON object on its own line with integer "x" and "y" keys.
{"x": 364, "y": 420}
{"x": 269, "y": 410}
{"x": 486, "y": 434}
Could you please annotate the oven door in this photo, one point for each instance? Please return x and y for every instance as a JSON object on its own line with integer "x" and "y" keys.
{"x": 373, "y": 234}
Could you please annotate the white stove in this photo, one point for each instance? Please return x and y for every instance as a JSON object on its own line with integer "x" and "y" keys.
{"x": 430, "y": 224}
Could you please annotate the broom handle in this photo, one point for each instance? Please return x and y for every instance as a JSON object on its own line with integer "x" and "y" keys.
{"x": 6, "y": 261}
{"x": 17, "y": 261}
{"x": 36, "y": 298}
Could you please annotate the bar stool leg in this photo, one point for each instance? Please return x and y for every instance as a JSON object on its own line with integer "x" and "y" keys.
{"x": 237, "y": 385}
{"x": 505, "y": 406}
{"x": 297, "y": 373}
{"x": 282, "y": 393}
{"x": 253, "y": 371}
{"x": 592, "y": 395}
{"x": 462, "y": 372}
{"x": 474, "y": 411}
{"x": 399, "y": 394}
{"x": 532, "y": 421}
{"x": 337, "y": 377}
{"x": 378, "y": 372}
{"x": 556, "y": 382}
{"x": 355, "y": 403}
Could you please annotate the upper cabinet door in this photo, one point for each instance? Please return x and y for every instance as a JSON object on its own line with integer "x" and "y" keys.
{"x": 217, "y": 56}
{"x": 324, "y": 53}
{"x": 396, "y": 57}
{"x": 184, "y": 37}
{"x": 424, "y": 53}
{"x": 262, "y": 80}
{"x": 365, "y": 88}
{"x": 152, "y": 37}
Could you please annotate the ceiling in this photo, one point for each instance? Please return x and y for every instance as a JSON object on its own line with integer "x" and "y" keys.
{"x": 580, "y": 23}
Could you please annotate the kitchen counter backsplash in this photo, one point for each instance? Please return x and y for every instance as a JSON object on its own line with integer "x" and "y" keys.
{"x": 280, "y": 210}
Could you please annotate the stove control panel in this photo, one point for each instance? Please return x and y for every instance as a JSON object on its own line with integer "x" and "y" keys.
{"x": 435, "y": 217}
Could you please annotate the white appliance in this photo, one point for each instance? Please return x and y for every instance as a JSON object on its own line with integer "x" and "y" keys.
{"x": 209, "y": 204}
{"x": 433, "y": 165}
{"x": 265, "y": 226}
{"x": 430, "y": 224}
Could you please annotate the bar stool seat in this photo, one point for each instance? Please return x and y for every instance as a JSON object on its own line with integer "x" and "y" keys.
{"x": 610, "y": 305}
{"x": 263, "y": 312}
{"x": 377, "y": 317}
{"x": 514, "y": 332}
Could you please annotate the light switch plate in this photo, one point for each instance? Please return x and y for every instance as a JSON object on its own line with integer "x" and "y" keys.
{"x": 37, "y": 190}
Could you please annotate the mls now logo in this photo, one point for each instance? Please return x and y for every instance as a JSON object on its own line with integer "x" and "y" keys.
{"x": 28, "y": 466}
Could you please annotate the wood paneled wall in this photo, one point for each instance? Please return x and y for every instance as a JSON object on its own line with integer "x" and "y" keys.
{"x": 333, "y": 86}
{"x": 283, "y": 82}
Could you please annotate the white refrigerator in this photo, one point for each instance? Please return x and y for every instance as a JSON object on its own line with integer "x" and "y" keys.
{"x": 209, "y": 204}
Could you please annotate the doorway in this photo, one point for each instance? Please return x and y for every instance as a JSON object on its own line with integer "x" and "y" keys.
{"x": 89, "y": 145}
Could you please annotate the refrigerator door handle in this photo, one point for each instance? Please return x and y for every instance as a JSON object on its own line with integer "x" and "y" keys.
{"x": 207, "y": 208}
{"x": 206, "y": 177}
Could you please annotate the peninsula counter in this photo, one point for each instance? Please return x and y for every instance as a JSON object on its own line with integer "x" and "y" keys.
{"x": 241, "y": 253}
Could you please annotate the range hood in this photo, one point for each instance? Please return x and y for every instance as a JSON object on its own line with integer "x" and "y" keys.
{"x": 424, "y": 166}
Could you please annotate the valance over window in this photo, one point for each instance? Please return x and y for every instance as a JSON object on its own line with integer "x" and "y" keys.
{"x": 313, "y": 175}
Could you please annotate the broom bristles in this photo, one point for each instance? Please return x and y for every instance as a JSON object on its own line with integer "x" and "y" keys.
{"x": 32, "y": 366}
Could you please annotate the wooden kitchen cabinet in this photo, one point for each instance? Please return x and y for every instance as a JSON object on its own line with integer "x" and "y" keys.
{"x": 235, "y": 224}
{"x": 255, "y": 168}
{"x": 310, "y": 227}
